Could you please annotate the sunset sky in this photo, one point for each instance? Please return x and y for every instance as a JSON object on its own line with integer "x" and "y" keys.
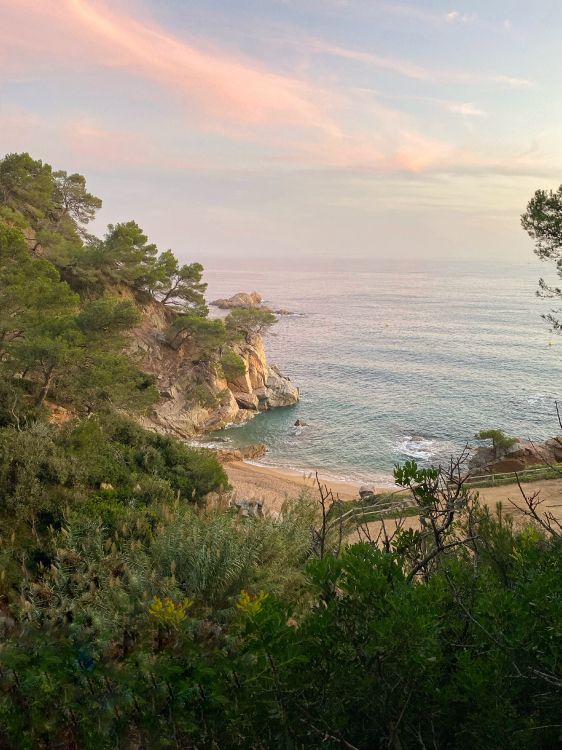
{"x": 234, "y": 129}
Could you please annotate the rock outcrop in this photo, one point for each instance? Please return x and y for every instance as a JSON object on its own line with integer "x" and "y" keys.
{"x": 195, "y": 397}
{"x": 246, "y": 300}
{"x": 523, "y": 454}
{"x": 247, "y": 452}
{"x": 242, "y": 299}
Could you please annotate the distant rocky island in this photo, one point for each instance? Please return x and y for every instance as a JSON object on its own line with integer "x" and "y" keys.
{"x": 247, "y": 301}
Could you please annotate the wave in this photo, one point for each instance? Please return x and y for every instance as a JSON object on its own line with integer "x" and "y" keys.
{"x": 416, "y": 446}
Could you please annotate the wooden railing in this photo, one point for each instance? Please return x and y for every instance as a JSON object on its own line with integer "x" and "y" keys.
{"x": 527, "y": 475}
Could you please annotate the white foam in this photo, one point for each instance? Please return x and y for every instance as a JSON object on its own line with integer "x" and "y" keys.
{"x": 416, "y": 447}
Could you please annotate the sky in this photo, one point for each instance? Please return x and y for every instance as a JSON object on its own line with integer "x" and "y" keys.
{"x": 294, "y": 131}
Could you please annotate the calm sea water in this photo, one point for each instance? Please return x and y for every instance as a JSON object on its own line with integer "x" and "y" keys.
{"x": 401, "y": 362}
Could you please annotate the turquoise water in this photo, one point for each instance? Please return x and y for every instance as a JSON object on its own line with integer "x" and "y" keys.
{"x": 399, "y": 363}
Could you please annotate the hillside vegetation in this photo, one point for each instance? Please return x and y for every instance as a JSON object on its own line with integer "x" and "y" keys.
{"x": 133, "y": 616}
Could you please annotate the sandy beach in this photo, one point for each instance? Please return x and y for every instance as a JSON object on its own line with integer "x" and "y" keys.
{"x": 275, "y": 485}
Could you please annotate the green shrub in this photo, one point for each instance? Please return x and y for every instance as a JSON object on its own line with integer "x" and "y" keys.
{"x": 500, "y": 440}
{"x": 203, "y": 396}
{"x": 233, "y": 365}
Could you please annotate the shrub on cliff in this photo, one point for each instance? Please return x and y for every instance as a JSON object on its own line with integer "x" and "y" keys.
{"x": 247, "y": 323}
{"x": 233, "y": 366}
{"x": 201, "y": 337}
{"x": 500, "y": 441}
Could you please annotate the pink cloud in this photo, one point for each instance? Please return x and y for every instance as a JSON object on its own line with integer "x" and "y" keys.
{"x": 405, "y": 151}
{"x": 73, "y": 140}
{"x": 394, "y": 65}
{"x": 218, "y": 84}
{"x": 233, "y": 96}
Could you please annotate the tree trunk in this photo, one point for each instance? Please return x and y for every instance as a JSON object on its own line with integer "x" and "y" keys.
{"x": 45, "y": 389}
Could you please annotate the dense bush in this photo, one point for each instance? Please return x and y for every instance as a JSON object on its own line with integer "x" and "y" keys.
{"x": 136, "y": 626}
{"x": 45, "y": 467}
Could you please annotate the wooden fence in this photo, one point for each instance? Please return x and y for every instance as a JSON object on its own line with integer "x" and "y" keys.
{"x": 510, "y": 477}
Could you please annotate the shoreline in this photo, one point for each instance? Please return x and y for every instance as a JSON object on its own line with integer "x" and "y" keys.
{"x": 274, "y": 485}
{"x": 380, "y": 481}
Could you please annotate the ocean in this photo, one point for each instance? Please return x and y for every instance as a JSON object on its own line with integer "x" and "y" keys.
{"x": 402, "y": 361}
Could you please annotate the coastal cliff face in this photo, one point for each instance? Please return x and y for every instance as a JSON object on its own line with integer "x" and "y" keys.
{"x": 197, "y": 397}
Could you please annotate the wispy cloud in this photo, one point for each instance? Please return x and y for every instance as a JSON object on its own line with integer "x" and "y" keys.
{"x": 232, "y": 95}
{"x": 409, "y": 69}
{"x": 395, "y": 65}
{"x": 411, "y": 12}
{"x": 219, "y": 84}
{"x": 511, "y": 82}
{"x": 456, "y": 17}
{"x": 467, "y": 109}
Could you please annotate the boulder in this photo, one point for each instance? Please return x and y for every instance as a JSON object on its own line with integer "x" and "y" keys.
{"x": 301, "y": 423}
{"x": 279, "y": 390}
{"x": 245, "y": 453}
{"x": 248, "y": 508}
{"x": 247, "y": 401}
{"x": 367, "y": 490}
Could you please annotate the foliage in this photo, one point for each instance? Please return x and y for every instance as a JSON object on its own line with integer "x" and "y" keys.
{"x": 31, "y": 291}
{"x": 247, "y": 323}
{"x": 179, "y": 286}
{"x": 48, "y": 335}
{"x": 500, "y": 440}
{"x": 203, "y": 396}
{"x": 125, "y": 256}
{"x": 232, "y": 364}
{"x": 202, "y": 337}
{"x": 179, "y": 639}
{"x": 44, "y": 467}
{"x": 33, "y": 466}
{"x": 54, "y": 208}
{"x": 168, "y": 612}
{"x": 543, "y": 222}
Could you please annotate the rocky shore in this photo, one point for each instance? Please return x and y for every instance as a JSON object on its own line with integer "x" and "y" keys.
{"x": 521, "y": 455}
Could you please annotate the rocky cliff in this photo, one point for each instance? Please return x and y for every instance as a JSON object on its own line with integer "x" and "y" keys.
{"x": 196, "y": 398}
